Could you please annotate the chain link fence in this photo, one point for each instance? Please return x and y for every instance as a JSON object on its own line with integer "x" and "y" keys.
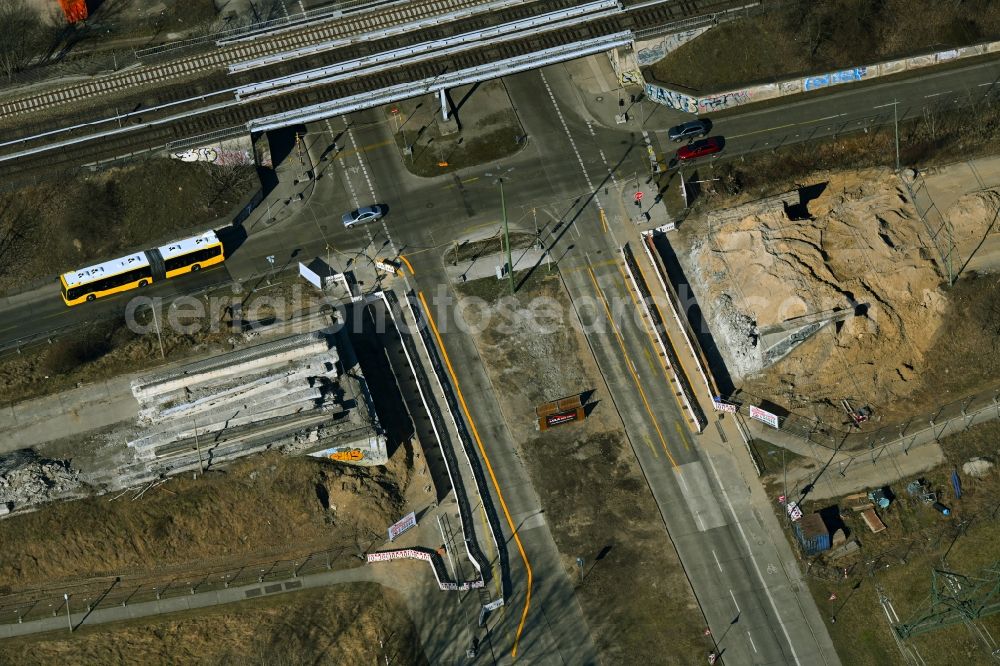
{"x": 947, "y": 419}
{"x": 126, "y": 588}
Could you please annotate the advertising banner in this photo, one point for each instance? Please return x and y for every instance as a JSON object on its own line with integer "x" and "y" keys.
{"x": 764, "y": 416}
{"x": 408, "y": 522}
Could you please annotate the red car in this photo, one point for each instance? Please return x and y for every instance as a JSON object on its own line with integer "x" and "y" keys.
{"x": 700, "y": 148}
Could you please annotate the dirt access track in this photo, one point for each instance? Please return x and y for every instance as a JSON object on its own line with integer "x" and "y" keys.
{"x": 856, "y": 244}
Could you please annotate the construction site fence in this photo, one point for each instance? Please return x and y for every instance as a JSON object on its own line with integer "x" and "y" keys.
{"x": 944, "y": 420}
{"x": 492, "y": 517}
{"x": 432, "y": 558}
{"x": 440, "y": 429}
{"x": 676, "y": 370}
{"x": 680, "y": 315}
{"x": 133, "y": 586}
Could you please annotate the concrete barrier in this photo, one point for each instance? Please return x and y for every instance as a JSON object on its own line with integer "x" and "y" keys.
{"x": 738, "y": 97}
{"x": 689, "y": 400}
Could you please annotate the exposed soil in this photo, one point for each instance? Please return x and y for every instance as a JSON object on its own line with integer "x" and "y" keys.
{"x": 341, "y": 625}
{"x": 259, "y": 506}
{"x": 53, "y": 227}
{"x": 809, "y": 36}
{"x": 862, "y": 248}
{"x": 596, "y": 502}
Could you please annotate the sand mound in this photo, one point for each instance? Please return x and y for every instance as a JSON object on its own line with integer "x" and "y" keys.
{"x": 864, "y": 248}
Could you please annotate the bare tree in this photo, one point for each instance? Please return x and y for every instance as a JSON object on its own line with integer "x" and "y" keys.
{"x": 23, "y": 36}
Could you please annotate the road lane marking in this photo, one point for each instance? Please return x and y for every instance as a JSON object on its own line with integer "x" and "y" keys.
{"x": 734, "y": 601}
{"x": 753, "y": 560}
{"x": 778, "y": 127}
{"x": 680, "y": 433}
{"x": 717, "y": 563}
{"x": 943, "y": 92}
{"x": 489, "y": 468}
{"x": 635, "y": 378}
{"x": 408, "y": 265}
{"x": 649, "y": 443}
{"x": 882, "y": 106}
{"x": 649, "y": 334}
{"x": 751, "y": 642}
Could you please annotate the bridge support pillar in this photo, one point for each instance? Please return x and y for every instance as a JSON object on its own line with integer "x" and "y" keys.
{"x": 443, "y": 96}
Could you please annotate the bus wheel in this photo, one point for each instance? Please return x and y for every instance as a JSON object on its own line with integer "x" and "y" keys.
{"x": 143, "y": 283}
{"x": 195, "y": 268}
{"x": 91, "y": 297}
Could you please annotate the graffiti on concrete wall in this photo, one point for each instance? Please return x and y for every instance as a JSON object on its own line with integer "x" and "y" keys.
{"x": 653, "y": 51}
{"x": 672, "y": 98}
{"x": 723, "y": 100}
{"x": 833, "y": 78}
{"x": 631, "y": 77}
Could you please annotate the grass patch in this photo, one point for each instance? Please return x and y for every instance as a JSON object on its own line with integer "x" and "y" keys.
{"x": 346, "y": 624}
{"x": 899, "y": 561}
{"x": 263, "y": 507}
{"x": 773, "y": 459}
{"x": 435, "y": 154}
{"x": 812, "y": 36}
{"x": 942, "y": 134}
{"x": 51, "y": 227}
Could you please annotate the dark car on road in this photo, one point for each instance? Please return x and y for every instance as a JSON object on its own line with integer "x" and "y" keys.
{"x": 690, "y": 130}
{"x": 363, "y": 215}
{"x": 700, "y": 148}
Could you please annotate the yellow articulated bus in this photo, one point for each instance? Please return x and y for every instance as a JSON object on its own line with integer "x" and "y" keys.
{"x": 142, "y": 268}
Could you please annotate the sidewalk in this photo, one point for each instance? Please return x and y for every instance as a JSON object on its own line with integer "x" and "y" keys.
{"x": 60, "y": 622}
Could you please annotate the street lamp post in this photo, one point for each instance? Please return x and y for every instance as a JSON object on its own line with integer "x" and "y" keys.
{"x": 69, "y": 618}
{"x": 506, "y": 230}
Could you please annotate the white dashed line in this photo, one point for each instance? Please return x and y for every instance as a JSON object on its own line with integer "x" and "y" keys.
{"x": 734, "y": 601}
{"x": 752, "y": 644}
{"x": 717, "y": 563}
{"x": 572, "y": 143}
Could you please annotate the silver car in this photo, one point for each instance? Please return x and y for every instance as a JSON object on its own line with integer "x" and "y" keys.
{"x": 690, "y": 130}
{"x": 363, "y": 215}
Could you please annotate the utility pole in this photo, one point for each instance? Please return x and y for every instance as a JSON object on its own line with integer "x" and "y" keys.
{"x": 201, "y": 466}
{"x": 895, "y": 122}
{"x": 156, "y": 324}
{"x": 69, "y": 618}
{"x": 506, "y": 230}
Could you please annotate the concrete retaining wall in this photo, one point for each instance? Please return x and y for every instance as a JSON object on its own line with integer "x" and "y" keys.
{"x": 700, "y": 104}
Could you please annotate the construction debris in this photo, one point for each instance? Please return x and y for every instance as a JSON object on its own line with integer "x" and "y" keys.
{"x": 977, "y": 467}
{"x": 872, "y": 520}
{"x": 288, "y": 393}
{"x": 26, "y": 479}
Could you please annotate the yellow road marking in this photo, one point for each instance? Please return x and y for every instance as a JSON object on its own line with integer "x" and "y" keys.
{"x": 599, "y": 264}
{"x": 489, "y": 468}
{"x": 631, "y": 368}
{"x": 604, "y": 221}
{"x": 649, "y": 443}
{"x": 364, "y": 149}
{"x": 652, "y": 341}
{"x": 408, "y": 265}
{"x": 680, "y": 433}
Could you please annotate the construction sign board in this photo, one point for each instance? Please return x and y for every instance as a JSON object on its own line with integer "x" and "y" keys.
{"x": 559, "y": 418}
{"x": 721, "y": 406}
{"x": 764, "y": 416}
{"x": 407, "y": 522}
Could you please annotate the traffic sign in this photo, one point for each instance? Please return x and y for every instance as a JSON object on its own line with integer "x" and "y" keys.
{"x": 638, "y": 196}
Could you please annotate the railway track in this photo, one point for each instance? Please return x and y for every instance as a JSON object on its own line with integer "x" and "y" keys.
{"x": 393, "y": 20}
{"x": 213, "y": 109}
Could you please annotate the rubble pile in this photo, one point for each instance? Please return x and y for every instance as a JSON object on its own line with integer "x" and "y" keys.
{"x": 27, "y": 480}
